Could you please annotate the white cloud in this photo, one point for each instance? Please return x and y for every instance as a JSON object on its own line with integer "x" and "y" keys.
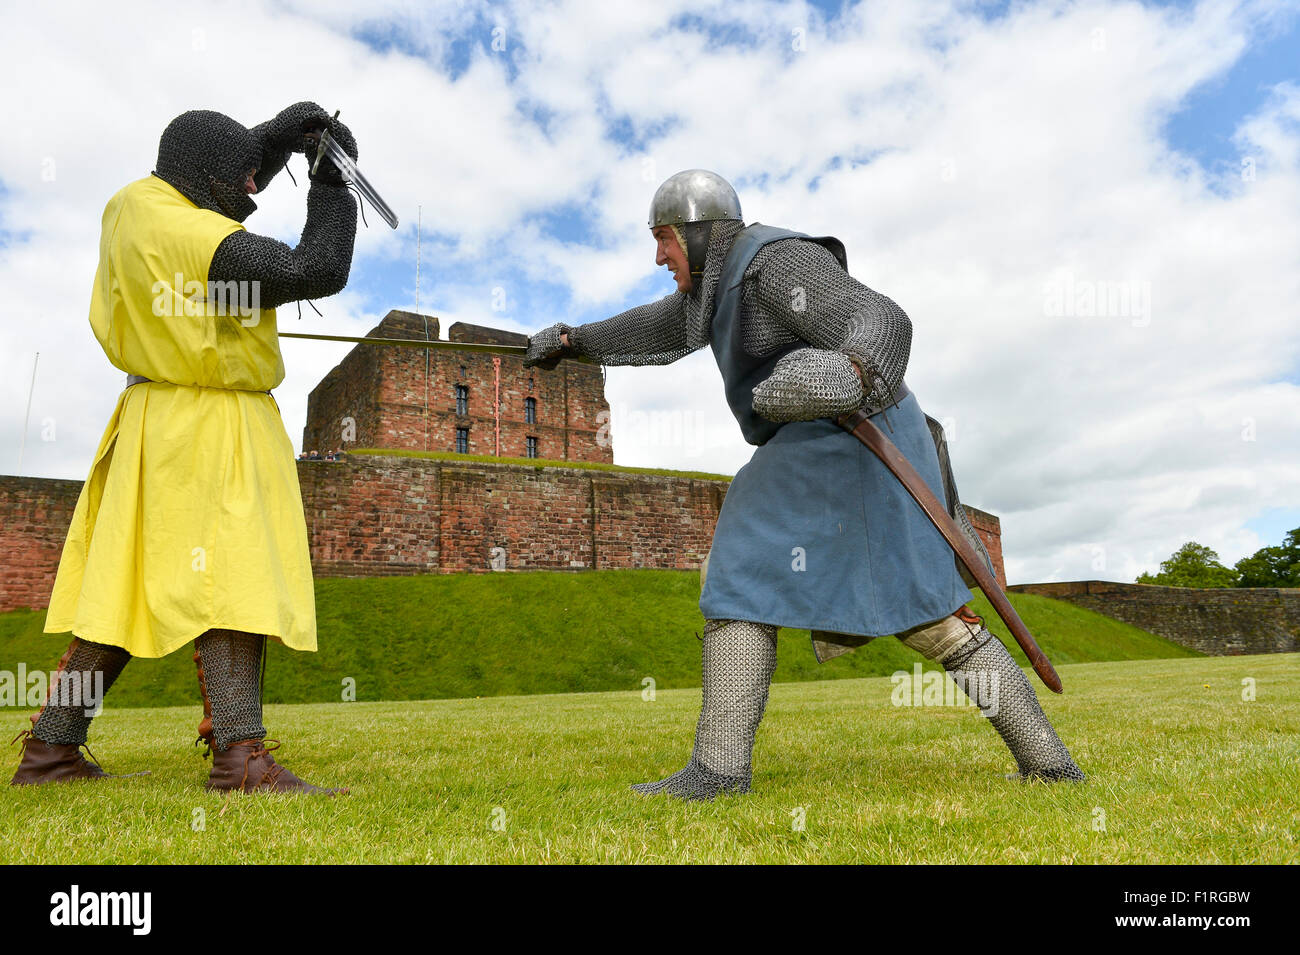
{"x": 1010, "y": 162}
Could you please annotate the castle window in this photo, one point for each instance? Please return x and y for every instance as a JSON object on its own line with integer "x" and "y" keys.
{"x": 530, "y": 382}
{"x": 462, "y": 440}
{"x": 462, "y": 371}
{"x": 462, "y": 399}
{"x": 532, "y": 447}
{"x": 530, "y": 411}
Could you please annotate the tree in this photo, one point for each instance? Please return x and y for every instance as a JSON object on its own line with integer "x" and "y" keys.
{"x": 1192, "y": 565}
{"x": 1272, "y": 566}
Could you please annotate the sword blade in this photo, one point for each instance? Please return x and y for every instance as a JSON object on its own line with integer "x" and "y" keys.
{"x": 330, "y": 147}
{"x": 864, "y": 429}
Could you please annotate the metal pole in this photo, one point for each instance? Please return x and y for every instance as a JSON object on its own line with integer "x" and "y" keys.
{"x": 496, "y": 367}
{"x": 22, "y": 445}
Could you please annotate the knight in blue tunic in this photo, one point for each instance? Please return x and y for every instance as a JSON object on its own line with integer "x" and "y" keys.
{"x": 815, "y": 533}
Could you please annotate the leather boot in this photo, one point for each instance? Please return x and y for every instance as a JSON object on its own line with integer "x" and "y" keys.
{"x": 248, "y": 766}
{"x": 44, "y": 762}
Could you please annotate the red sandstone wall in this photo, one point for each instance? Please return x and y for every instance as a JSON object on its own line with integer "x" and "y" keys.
{"x": 34, "y": 518}
{"x": 989, "y": 529}
{"x": 374, "y": 515}
{"x": 371, "y": 521}
{"x": 665, "y": 523}
{"x": 1220, "y": 621}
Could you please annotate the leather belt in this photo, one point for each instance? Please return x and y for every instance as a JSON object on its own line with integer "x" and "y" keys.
{"x": 902, "y": 392}
{"x": 141, "y": 379}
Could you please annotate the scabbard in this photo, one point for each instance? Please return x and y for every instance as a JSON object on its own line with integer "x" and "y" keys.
{"x": 860, "y": 425}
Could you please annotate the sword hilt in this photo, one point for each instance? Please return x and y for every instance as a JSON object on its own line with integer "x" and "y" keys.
{"x": 323, "y": 142}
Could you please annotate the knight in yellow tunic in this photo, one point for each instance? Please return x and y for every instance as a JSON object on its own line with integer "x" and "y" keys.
{"x": 190, "y": 525}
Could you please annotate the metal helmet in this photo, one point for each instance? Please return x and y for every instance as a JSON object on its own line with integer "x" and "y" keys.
{"x": 694, "y": 195}
{"x": 691, "y": 201}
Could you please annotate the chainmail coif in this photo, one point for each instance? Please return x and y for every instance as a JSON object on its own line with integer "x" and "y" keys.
{"x": 207, "y": 156}
{"x": 988, "y": 674}
{"x": 737, "y": 662}
{"x": 69, "y": 724}
{"x": 231, "y": 664}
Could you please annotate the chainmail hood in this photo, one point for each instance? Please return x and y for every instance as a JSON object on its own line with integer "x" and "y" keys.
{"x": 699, "y": 303}
{"x": 206, "y": 156}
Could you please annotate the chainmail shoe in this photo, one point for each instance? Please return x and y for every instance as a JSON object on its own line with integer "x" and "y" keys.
{"x": 988, "y": 674}
{"x": 738, "y": 659}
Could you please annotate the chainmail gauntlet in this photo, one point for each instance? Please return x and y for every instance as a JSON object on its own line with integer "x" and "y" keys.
{"x": 795, "y": 290}
{"x": 317, "y": 267}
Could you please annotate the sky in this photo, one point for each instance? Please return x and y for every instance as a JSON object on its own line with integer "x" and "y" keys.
{"x": 1088, "y": 210}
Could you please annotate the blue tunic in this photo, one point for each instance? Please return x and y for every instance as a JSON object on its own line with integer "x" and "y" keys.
{"x": 815, "y": 532}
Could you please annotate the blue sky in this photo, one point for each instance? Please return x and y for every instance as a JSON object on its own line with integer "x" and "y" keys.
{"x": 976, "y": 158}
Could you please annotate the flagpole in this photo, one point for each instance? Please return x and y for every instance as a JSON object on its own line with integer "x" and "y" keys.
{"x": 22, "y": 445}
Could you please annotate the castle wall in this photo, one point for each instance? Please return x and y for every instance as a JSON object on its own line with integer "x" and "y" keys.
{"x": 989, "y": 528}
{"x": 1221, "y": 621}
{"x": 405, "y": 398}
{"x": 375, "y": 515}
{"x": 34, "y": 517}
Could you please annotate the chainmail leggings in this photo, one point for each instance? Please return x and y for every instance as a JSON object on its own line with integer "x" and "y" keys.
{"x": 87, "y": 671}
{"x": 737, "y": 660}
{"x": 980, "y": 665}
{"x": 230, "y": 666}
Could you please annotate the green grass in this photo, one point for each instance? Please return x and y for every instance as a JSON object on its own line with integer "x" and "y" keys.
{"x": 1181, "y": 770}
{"x": 471, "y": 635}
{"x": 539, "y": 463}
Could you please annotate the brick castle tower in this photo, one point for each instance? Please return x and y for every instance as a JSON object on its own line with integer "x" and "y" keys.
{"x": 386, "y": 396}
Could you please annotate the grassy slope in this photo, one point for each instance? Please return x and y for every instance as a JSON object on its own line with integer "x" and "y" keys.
{"x": 453, "y": 457}
{"x": 1181, "y": 770}
{"x": 543, "y": 632}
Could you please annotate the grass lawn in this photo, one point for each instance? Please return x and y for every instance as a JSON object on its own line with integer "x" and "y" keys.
{"x": 467, "y": 635}
{"x": 1181, "y": 769}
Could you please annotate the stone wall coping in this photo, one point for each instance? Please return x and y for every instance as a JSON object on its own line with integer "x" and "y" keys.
{"x": 613, "y": 473}
{"x": 1118, "y": 586}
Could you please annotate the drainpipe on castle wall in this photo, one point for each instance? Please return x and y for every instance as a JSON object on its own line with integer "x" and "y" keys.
{"x": 496, "y": 405}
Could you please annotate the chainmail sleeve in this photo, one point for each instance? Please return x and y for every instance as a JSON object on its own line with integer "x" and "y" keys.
{"x": 317, "y": 267}
{"x": 654, "y": 334}
{"x": 801, "y": 293}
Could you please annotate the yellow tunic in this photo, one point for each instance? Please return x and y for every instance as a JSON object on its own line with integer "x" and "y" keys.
{"x": 191, "y": 518}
